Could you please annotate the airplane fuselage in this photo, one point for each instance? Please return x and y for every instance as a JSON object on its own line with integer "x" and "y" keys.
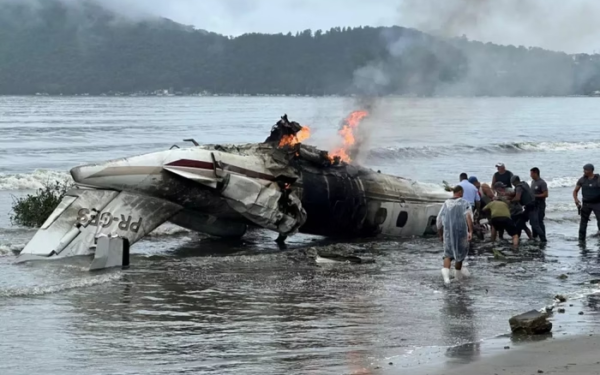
{"x": 365, "y": 203}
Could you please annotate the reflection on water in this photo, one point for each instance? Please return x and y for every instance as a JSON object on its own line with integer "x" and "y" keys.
{"x": 458, "y": 324}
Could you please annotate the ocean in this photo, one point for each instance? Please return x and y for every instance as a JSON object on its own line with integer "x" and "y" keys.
{"x": 199, "y": 305}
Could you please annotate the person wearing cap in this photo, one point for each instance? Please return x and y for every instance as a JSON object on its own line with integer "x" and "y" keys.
{"x": 455, "y": 229}
{"x": 470, "y": 193}
{"x": 589, "y": 185}
{"x": 525, "y": 197}
{"x": 503, "y": 175}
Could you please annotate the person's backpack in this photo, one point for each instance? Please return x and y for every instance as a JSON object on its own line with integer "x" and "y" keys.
{"x": 527, "y": 198}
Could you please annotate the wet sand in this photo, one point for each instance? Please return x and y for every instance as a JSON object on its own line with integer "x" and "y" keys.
{"x": 575, "y": 355}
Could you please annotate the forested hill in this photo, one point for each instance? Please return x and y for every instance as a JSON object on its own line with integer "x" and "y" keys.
{"x": 49, "y": 47}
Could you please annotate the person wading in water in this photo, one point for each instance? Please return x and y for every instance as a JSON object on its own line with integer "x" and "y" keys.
{"x": 540, "y": 191}
{"x": 503, "y": 176}
{"x": 524, "y": 196}
{"x": 455, "y": 229}
{"x": 589, "y": 185}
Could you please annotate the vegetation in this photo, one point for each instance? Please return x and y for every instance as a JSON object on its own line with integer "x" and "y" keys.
{"x": 57, "y": 48}
{"x": 33, "y": 209}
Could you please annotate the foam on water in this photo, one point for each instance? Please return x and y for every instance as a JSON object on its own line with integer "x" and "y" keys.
{"x": 56, "y": 288}
{"x": 32, "y": 181}
{"x": 10, "y": 249}
{"x": 168, "y": 229}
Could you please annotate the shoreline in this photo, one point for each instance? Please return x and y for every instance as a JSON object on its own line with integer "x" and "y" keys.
{"x": 570, "y": 355}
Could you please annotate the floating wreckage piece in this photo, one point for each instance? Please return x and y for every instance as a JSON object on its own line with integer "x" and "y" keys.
{"x": 530, "y": 323}
{"x": 336, "y": 254}
{"x": 560, "y": 298}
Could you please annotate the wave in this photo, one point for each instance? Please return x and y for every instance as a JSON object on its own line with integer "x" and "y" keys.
{"x": 31, "y": 181}
{"x": 500, "y": 148}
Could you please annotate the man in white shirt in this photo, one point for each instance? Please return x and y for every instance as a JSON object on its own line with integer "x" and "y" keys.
{"x": 470, "y": 192}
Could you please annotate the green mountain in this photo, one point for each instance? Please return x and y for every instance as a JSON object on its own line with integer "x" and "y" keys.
{"x": 47, "y": 46}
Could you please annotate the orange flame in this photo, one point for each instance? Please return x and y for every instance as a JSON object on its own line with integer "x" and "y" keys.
{"x": 347, "y": 132}
{"x": 291, "y": 140}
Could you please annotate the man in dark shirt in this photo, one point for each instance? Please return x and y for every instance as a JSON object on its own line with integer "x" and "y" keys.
{"x": 540, "y": 191}
{"x": 524, "y": 195}
{"x": 503, "y": 176}
{"x": 590, "y": 186}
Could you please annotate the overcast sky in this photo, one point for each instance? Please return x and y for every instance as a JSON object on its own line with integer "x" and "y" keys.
{"x": 567, "y": 25}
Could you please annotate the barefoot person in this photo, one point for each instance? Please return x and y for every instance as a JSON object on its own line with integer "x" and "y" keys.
{"x": 455, "y": 228}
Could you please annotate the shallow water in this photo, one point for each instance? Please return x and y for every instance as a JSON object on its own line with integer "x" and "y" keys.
{"x": 191, "y": 304}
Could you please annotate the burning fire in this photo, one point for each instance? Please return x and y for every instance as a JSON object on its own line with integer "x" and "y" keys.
{"x": 347, "y": 132}
{"x": 291, "y": 140}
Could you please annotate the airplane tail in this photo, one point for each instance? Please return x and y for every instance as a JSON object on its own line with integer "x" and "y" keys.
{"x": 84, "y": 216}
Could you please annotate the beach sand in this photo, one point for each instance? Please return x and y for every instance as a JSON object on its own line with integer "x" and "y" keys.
{"x": 575, "y": 355}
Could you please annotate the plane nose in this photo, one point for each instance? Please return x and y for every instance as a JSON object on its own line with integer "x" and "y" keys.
{"x": 83, "y": 173}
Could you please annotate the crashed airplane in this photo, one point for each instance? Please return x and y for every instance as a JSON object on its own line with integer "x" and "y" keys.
{"x": 281, "y": 184}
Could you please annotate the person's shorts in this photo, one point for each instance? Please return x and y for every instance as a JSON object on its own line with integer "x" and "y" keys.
{"x": 506, "y": 224}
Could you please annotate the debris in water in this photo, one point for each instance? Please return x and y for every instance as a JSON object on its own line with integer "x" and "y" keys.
{"x": 498, "y": 254}
{"x": 339, "y": 253}
{"x": 561, "y": 311}
{"x": 581, "y": 313}
{"x": 563, "y": 277}
{"x": 561, "y": 298}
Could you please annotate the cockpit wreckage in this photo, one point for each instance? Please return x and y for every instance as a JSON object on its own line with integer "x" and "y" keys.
{"x": 280, "y": 184}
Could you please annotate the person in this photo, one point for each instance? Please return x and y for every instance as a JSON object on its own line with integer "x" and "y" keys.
{"x": 589, "y": 185}
{"x": 524, "y": 196}
{"x": 516, "y": 211}
{"x": 503, "y": 175}
{"x": 501, "y": 220}
{"x": 455, "y": 229}
{"x": 540, "y": 192}
{"x": 470, "y": 193}
{"x": 486, "y": 194}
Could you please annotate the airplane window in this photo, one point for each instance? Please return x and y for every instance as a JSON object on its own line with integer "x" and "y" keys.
{"x": 402, "y": 219}
{"x": 380, "y": 216}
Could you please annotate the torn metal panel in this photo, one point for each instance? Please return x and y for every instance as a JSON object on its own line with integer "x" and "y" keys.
{"x": 266, "y": 206}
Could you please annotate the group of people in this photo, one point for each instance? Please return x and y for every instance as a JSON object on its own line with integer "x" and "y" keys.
{"x": 509, "y": 204}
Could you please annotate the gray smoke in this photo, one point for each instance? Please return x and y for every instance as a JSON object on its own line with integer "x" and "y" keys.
{"x": 571, "y": 26}
{"x": 559, "y": 25}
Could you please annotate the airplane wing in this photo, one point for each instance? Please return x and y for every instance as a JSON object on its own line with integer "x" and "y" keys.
{"x": 85, "y": 215}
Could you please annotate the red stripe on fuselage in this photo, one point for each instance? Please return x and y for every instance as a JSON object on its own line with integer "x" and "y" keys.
{"x": 227, "y": 167}
{"x": 191, "y": 164}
